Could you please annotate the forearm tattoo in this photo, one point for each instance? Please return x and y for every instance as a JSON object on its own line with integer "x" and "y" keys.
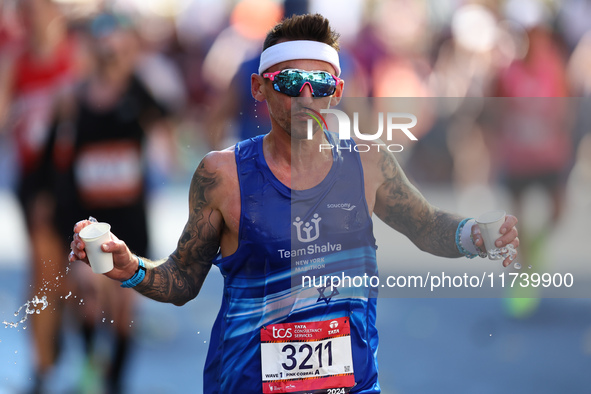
{"x": 405, "y": 209}
{"x": 179, "y": 278}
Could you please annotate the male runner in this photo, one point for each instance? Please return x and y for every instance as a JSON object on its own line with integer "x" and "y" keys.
{"x": 267, "y": 201}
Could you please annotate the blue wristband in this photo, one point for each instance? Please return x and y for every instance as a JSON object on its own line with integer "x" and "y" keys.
{"x": 137, "y": 277}
{"x": 459, "y": 240}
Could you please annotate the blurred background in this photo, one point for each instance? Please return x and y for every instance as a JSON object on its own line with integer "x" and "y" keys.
{"x": 121, "y": 99}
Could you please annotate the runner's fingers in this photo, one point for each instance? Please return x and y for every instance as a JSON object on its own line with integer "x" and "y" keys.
{"x": 81, "y": 224}
{"x": 510, "y": 222}
{"x": 511, "y": 258}
{"x": 507, "y": 238}
{"x": 78, "y": 243}
{"x": 477, "y": 237}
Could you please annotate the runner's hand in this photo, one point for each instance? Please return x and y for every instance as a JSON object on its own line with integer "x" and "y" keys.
{"x": 509, "y": 237}
{"x": 125, "y": 263}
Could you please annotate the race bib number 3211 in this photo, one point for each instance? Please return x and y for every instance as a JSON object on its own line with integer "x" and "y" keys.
{"x": 307, "y": 357}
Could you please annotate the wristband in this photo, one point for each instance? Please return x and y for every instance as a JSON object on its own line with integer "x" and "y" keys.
{"x": 137, "y": 277}
{"x": 464, "y": 238}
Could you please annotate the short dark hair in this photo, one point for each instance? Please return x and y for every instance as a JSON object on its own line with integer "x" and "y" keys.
{"x": 303, "y": 27}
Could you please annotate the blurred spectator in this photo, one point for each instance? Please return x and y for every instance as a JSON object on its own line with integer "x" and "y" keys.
{"x": 159, "y": 71}
{"x": 394, "y": 55}
{"x": 466, "y": 63}
{"x": 36, "y": 69}
{"x": 465, "y": 67}
{"x": 391, "y": 61}
{"x": 234, "y": 114}
{"x": 98, "y": 146}
{"x": 533, "y": 144}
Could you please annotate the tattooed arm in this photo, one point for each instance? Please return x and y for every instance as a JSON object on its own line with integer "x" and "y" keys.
{"x": 400, "y": 205}
{"x": 177, "y": 279}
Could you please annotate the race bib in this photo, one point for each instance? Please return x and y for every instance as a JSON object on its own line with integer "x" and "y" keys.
{"x": 307, "y": 357}
{"x": 109, "y": 174}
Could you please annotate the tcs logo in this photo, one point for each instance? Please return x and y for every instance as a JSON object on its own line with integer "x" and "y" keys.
{"x": 282, "y": 332}
{"x": 333, "y": 324}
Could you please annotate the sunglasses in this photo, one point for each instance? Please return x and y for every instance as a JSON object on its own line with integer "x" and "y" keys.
{"x": 291, "y": 81}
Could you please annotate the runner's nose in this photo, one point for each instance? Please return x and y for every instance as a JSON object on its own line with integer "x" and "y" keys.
{"x": 306, "y": 90}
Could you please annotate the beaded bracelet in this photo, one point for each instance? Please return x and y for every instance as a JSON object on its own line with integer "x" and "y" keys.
{"x": 459, "y": 240}
{"x": 139, "y": 275}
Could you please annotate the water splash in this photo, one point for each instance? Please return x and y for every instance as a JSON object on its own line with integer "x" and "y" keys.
{"x": 34, "y": 306}
{"x": 503, "y": 253}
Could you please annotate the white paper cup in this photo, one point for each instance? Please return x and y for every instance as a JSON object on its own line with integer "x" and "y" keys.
{"x": 94, "y": 235}
{"x": 490, "y": 227}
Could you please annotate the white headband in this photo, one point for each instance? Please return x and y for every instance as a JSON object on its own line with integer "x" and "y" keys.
{"x": 301, "y": 49}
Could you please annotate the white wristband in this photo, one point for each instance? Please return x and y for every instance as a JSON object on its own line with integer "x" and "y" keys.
{"x": 466, "y": 237}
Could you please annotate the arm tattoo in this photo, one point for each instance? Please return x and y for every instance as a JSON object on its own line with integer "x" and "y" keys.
{"x": 179, "y": 278}
{"x": 403, "y": 207}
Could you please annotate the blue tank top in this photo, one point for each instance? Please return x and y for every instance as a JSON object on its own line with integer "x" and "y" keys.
{"x": 285, "y": 234}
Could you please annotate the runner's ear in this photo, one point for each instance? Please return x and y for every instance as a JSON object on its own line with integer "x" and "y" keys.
{"x": 256, "y": 87}
{"x": 338, "y": 94}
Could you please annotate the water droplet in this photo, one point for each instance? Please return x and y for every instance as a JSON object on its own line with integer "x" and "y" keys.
{"x": 104, "y": 319}
{"x": 529, "y": 266}
{"x": 112, "y": 321}
{"x": 517, "y": 266}
{"x": 68, "y": 296}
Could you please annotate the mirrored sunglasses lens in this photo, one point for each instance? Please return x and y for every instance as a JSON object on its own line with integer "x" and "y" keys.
{"x": 323, "y": 84}
{"x": 290, "y": 82}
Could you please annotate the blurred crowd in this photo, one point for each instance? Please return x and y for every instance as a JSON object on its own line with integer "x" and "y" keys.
{"x": 102, "y": 101}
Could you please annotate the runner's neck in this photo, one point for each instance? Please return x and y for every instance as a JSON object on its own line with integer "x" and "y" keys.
{"x": 298, "y": 164}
